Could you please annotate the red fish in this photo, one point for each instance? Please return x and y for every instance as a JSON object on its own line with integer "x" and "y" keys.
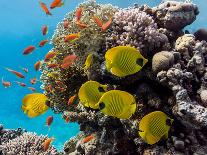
{"x": 21, "y": 83}
{"x": 33, "y": 81}
{"x": 37, "y": 65}
{"x": 78, "y": 13}
{"x": 97, "y": 21}
{"x": 29, "y": 49}
{"x": 44, "y": 30}
{"x": 47, "y": 143}
{"x": 72, "y": 37}
{"x": 49, "y": 56}
{"x": 68, "y": 61}
{"x": 72, "y": 99}
{"x": 44, "y": 8}
{"x": 43, "y": 42}
{"x": 32, "y": 89}
{"x": 52, "y": 65}
{"x": 18, "y": 74}
{"x": 49, "y": 121}
{"x": 106, "y": 25}
{"x": 59, "y": 83}
{"x": 67, "y": 119}
{"x": 65, "y": 24}
{"x": 87, "y": 139}
{"x": 56, "y": 3}
{"x": 61, "y": 89}
{"x": 6, "y": 84}
{"x": 81, "y": 25}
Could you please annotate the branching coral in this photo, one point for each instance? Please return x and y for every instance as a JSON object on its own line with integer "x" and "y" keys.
{"x": 135, "y": 28}
{"x": 27, "y": 143}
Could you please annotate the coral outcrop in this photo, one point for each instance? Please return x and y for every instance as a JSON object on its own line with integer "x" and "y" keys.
{"x": 27, "y": 143}
{"x": 173, "y": 81}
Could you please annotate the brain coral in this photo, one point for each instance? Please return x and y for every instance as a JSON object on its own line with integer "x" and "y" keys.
{"x": 135, "y": 28}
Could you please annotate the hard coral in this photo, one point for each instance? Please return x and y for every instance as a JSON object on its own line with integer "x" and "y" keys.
{"x": 135, "y": 28}
{"x": 92, "y": 40}
{"x": 28, "y": 143}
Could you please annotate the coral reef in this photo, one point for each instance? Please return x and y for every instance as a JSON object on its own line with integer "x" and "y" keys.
{"x": 27, "y": 143}
{"x": 173, "y": 81}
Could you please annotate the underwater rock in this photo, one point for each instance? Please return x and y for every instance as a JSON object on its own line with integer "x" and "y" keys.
{"x": 190, "y": 113}
{"x": 201, "y": 34}
{"x": 175, "y": 15}
{"x": 162, "y": 61}
{"x": 179, "y": 145}
{"x": 203, "y": 96}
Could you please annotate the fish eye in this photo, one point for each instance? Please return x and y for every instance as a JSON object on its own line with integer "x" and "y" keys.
{"x": 168, "y": 122}
{"x": 47, "y": 102}
{"x": 100, "y": 89}
{"x": 101, "y": 105}
{"x": 140, "y": 62}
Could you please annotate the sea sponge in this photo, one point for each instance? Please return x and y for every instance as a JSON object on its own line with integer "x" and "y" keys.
{"x": 135, "y": 28}
{"x": 28, "y": 143}
{"x": 162, "y": 61}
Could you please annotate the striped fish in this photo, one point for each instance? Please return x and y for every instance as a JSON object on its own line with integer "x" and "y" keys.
{"x": 118, "y": 104}
{"x": 154, "y": 126}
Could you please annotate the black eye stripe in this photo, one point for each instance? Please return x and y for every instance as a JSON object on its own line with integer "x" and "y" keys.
{"x": 140, "y": 62}
{"x": 101, "y": 105}
{"x": 100, "y": 89}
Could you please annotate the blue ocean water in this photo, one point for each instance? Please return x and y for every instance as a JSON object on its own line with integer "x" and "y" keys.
{"x": 20, "y": 26}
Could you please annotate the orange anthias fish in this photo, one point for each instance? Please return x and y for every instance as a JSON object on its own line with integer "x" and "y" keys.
{"x": 43, "y": 42}
{"x": 106, "y": 25}
{"x": 97, "y": 21}
{"x": 21, "y": 84}
{"x": 32, "y": 89}
{"x": 81, "y": 25}
{"x": 68, "y": 61}
{"x": 78, "y": 13}
{"x": 56, "y": 3}
{"x": 72, "y": 37}
{"x": 37, "y": 65}
{"x": 52, "y": 65}
{"x": 47, "y": 143}
{"x": 44, "y": 8}
{"x": 87, "y": 139}
{"x": 33, "y": 81}
{"x": 59, "y": 83}
{"x": 6, "y": 84}
{"x": 49, "y": 121}
{"x": 49, "y": 56}
{"x": 72, "y": 99}
{"x": 18, "y": 74}
{"x": 65, "y": 24}
{"x": 44, "y": 30}
{"x": 29, "y": 49}
{"x": 67, "y": 119}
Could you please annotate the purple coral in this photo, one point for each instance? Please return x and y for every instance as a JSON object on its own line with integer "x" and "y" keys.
{"x": 135, "y": 28}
